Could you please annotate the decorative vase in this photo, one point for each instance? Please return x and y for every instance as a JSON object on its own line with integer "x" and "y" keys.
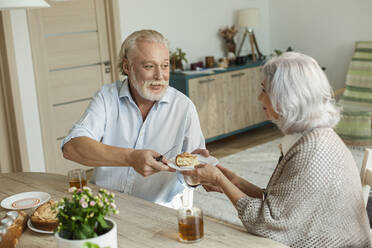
{"x": 108, "y": 239}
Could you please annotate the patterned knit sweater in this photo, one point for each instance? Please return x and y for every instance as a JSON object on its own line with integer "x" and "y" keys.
{"x": 314, "y": 197}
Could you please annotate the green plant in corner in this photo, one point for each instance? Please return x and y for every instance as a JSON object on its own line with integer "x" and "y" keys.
{"x": 83, "y": 216}
{"x": 91, "y": 245}
{"x": 176, "y": 59}
{"x": 278, "y": 52}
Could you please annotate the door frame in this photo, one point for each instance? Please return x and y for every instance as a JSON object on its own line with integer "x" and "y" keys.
{"x": 40, "y": 63}
{"x": 10, "y": 101}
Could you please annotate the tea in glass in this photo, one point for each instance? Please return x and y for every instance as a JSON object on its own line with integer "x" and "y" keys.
{"x": 190, "y": 225}
{"x": 77, "y": 178}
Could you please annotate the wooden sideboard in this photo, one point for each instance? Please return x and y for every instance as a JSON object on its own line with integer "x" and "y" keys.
{"x": 226, "y": 100}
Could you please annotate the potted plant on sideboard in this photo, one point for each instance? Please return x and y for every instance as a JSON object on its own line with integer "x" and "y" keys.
{"x": 83, "y": 219}
{"x": 176, "y": 59}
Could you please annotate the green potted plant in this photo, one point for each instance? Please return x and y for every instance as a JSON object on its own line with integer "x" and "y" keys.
{"x": 83, "y": 219}
{"x": 176, "y": 59}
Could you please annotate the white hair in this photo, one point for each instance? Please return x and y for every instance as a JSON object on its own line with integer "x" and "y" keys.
{"x": 131, "y": 42}
{"x": 300, "y": 93}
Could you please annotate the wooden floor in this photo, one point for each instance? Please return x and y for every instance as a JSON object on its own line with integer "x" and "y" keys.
{"x": 239, "y": 142}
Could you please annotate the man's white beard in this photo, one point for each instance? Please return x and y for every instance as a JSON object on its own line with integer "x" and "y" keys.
{"x": 145, "y": 92}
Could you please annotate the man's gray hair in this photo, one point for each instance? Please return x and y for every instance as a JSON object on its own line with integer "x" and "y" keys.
{"x": 300, "y": 93}
{"x": 131, "y": 42}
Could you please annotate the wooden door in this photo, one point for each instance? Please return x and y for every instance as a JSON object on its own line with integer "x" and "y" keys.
{"x": 207, "y": 95}
{"x": 74, "y": 55}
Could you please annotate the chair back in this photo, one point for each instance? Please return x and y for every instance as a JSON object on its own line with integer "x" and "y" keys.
{"x": 366, "y": 174}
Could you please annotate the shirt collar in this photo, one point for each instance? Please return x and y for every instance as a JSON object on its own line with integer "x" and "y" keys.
{"x": 125, "y": 92}
{"x": 288, "y": 141}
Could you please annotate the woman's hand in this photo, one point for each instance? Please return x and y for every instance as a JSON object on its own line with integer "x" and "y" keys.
{"x": 205, "y": 174}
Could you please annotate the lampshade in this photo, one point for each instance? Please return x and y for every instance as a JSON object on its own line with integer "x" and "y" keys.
{"x": 248, "y": 17}
{"x": 21, "y": 4}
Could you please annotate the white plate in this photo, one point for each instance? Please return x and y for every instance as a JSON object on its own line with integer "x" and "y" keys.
{"x": 29, "y": 224}
{"x": 203, "y": 160}
{"x": 25, "y": 200}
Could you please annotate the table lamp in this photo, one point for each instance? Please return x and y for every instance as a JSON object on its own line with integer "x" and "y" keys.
{"x": 249, "y": 18}
{"x": 22, "y": 4}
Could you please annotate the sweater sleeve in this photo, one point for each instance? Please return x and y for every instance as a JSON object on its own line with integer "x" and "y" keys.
{"x": 288, "y": 195}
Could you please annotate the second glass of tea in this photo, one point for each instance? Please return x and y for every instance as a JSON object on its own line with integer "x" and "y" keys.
{"x": 190, "y": 224}
{"x": 77, "y": 178}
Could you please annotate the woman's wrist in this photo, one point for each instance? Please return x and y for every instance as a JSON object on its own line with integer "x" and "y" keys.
{"x": 219, "y": 178}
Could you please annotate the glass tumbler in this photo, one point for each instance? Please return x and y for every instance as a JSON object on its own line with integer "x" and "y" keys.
{"x": 77, "y": 178}
{"x": 190, "y": 224}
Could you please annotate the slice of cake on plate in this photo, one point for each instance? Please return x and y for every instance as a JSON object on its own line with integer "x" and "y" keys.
{"x": 45, "y": 217}
{"x": 186, "y": 159}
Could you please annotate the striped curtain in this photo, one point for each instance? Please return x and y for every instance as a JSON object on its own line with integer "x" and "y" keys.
{"x": 356, "y": 101}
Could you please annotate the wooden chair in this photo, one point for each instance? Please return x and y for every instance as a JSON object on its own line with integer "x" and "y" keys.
{"x": 366, "y": 174}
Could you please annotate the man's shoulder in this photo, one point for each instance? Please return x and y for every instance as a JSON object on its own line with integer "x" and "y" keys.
{"x": 179, "y": 97}
{"x": 111, "y": 90}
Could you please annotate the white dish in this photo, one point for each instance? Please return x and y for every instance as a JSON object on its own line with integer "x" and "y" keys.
{"x": 202, "y": 160}
{"x": 25, "y": 200}
{"x": 29, "y": 224}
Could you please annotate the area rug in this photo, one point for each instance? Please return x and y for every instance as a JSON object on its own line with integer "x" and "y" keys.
{"x": 254, "y": 164}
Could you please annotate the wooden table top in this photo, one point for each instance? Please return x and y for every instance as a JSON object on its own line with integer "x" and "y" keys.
{"x": 140, "y": 223}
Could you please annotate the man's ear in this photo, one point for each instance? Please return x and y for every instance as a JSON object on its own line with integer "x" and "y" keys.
{"x": 126, "y": 66}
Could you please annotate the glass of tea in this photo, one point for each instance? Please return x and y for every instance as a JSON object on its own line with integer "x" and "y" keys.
{"x": 190, "y": 224}
{"x": 77, "y": 178}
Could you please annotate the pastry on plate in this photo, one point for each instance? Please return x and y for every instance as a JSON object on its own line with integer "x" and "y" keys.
{"x": 186, "y": 159}
{"x": 45, "y": 217}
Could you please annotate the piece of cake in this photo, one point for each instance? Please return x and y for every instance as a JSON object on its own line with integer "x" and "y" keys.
{"x": 45, "y": 217}
{"x": 186, "y": 159}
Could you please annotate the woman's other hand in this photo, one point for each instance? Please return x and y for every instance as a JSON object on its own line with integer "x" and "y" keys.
{"x": 205, "y": 174}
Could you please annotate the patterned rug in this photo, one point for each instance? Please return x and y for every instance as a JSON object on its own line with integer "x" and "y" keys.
{"x": 254, "y": 164}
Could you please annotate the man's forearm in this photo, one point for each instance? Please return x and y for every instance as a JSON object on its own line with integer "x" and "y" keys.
{"x": 89, "y": 152}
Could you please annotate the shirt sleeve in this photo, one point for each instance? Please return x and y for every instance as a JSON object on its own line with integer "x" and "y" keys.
{"x": 193, "y": 138}
{"x": 92, "y": 123}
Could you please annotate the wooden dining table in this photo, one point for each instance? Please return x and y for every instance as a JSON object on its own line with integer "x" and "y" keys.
{"x": 140, "y": 223}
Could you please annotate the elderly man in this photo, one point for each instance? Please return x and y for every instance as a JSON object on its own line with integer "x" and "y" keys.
{"x": 130, "y": 123}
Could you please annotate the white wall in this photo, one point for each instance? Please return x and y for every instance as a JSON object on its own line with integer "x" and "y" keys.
{"x": 192, "y": 25}
{"x": 323, "y": 29}
{"x": 27, "y": 88}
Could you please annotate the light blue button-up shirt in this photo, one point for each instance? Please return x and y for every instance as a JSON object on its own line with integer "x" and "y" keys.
{"x": 113, "y": 118}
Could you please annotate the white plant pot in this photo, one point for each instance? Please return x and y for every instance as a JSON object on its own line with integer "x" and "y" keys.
{"x": 109, "y": 239}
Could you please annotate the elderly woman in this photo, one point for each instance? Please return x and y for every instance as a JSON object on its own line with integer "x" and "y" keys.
{"x": 314, "y": 197}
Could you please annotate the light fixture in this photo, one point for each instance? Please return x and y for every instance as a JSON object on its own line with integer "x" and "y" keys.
{"x": 249, "y": 18}
{"x": 22, "y": 4}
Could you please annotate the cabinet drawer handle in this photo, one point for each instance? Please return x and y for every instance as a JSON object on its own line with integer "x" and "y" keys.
{"x": 206, "y": 80}
{"x": 238, "y": 74}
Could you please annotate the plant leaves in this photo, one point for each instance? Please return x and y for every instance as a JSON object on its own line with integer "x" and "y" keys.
{"x": 102, "y": 221}
{"x": 79, "y": 235}
{"x": 87, "y": 230}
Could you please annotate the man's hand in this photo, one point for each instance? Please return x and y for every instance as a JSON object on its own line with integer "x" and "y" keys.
{"x": 144, "y": 162}
{"x": 203, "y": 152}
